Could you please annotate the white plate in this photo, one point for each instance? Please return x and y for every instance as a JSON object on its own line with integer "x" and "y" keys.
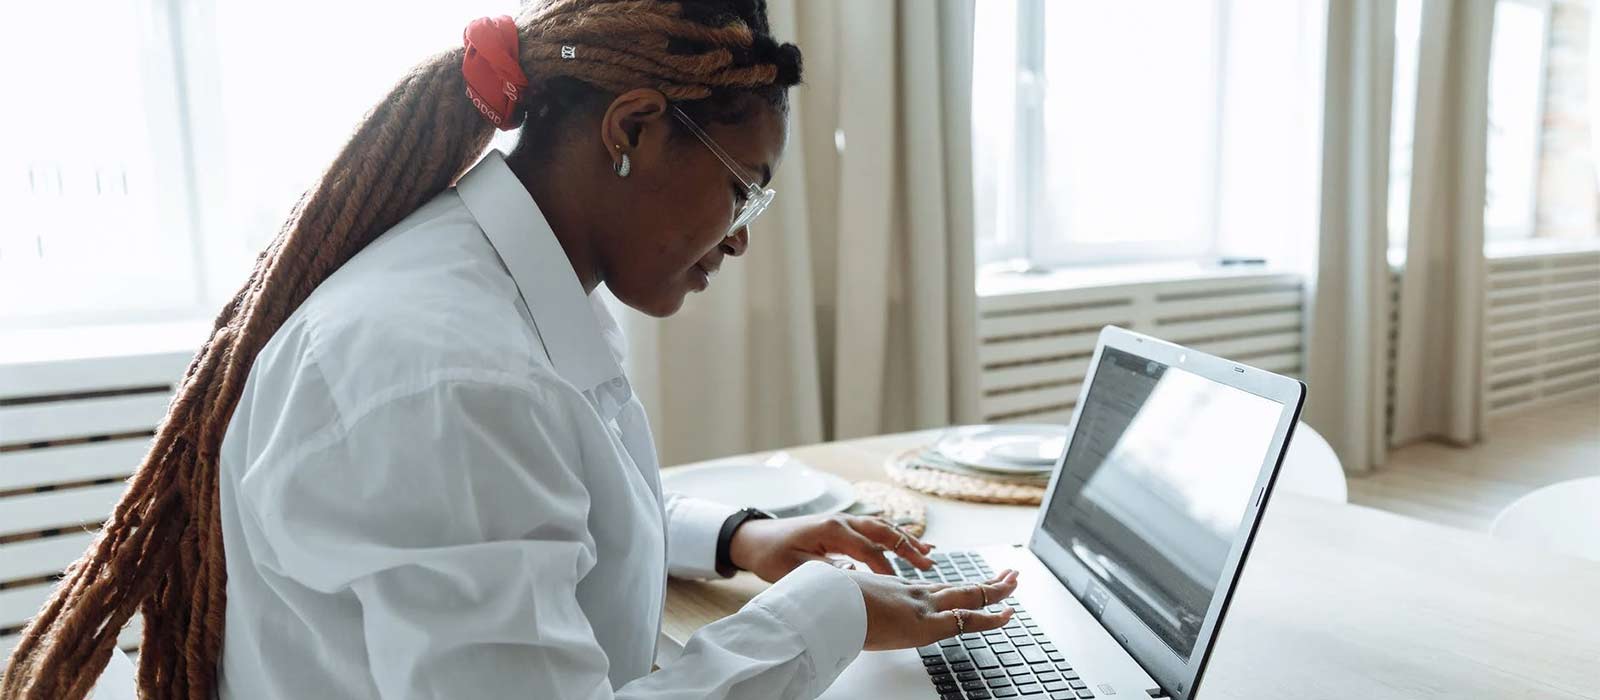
{"x": 781, "y": 491}
{"x": 1005, "y": 448}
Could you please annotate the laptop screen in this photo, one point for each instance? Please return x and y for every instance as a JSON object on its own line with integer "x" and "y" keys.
{"x": 1156, "y": 482}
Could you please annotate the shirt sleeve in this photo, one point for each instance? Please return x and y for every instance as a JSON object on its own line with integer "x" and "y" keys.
{"x": 468, "y": 545}
{"x": 693, "y": 525}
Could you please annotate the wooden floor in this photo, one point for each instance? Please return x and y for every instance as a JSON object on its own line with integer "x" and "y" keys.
{"x": 1466, "y": 488}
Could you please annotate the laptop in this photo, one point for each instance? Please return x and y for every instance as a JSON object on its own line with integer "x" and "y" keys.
{"x": 1137, "y": 547}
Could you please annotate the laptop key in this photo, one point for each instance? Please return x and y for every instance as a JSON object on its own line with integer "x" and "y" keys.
{"x": 1055, "y": 685}
{"x": 1010, "y": 659}
{"x": 1078, "y": 685}
{"x": 955, "y": 654}
{"x": 965, "y": 676}
{"x": 1005, "y": 692}
{"x": 960, "y": 666}
{"x": 1031, "y": 654}
{"x": 928, "y": 652}
{"x": 972, "y": 685}
{"x": 1085, "y": 694}
{"x": 983, "y": 658}
{"x": 1002, "y": 681}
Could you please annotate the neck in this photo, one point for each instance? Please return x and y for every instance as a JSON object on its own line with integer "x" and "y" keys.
{"x": 558, "y": 199}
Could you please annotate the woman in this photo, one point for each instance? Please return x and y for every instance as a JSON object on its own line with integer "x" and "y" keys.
{"x": 408, "y": 464}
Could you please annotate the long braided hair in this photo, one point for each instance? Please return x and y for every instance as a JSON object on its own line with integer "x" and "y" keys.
{"x": 161, "y": 551}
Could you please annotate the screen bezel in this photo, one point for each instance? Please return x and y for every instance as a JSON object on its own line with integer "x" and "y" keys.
{"x": 1177, "y": 676}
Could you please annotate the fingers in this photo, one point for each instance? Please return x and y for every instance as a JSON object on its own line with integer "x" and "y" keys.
{"x": 857, "y": 546}
{"x": 896, "y": 540}
{"x": 976, "y": 595}
{"x": 946, "y": 626}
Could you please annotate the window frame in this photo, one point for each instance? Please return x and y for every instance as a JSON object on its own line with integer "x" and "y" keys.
{"x": 1529, "y": 228}
{"x": 1029, "y": 165}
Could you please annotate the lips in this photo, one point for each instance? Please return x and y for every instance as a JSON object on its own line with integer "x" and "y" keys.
{"x": 699, "y": 278}
{"x": 702, "y": 271}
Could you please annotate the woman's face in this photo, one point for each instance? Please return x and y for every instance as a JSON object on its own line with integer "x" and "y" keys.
{"x": 671, "y": 234}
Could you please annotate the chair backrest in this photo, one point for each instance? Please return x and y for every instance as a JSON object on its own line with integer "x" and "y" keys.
{"x": 1312, "y": 468}
{"x": 1562, "y": 517}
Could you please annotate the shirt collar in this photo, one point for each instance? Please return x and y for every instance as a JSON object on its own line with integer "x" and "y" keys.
{"x": 566, "y": 319}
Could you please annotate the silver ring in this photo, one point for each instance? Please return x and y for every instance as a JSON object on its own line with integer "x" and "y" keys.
{"x": 961, "y": 625}
{"x": 903, "y": 540}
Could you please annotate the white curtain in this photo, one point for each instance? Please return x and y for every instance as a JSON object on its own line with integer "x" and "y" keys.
{"x": 1439, "y": 350}
{"x": 1346, "y": 367}
{"x": 1435, "y": 383}
{"x": 854, "y": 311}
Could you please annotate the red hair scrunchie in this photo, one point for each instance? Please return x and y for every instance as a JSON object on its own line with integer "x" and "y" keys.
{"x": 495, "y": 80}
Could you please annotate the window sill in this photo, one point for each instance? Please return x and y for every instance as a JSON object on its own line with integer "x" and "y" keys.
{"x": 1533, "y": 247}
{"x": 54, "y": 361}
{"x": 995, "y": 283}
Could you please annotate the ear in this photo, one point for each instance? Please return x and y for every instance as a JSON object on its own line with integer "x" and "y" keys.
{"x": 635, "y": 123}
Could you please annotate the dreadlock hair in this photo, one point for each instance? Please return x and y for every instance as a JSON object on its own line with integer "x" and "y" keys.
{"x": 161, "y": 551}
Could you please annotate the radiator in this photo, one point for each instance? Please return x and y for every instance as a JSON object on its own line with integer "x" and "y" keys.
{"x": 71, "y": 432}
{"x": 1035, "y": 347}
{"x": 1541, "y": 329}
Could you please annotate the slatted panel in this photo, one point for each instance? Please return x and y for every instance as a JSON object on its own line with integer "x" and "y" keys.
{"x": 71, "y": 463}
{"x": 1541, "y": 329}
{"x": 60, "y": 420}
{"x": 71, "y": 433}
{"x": 127, "y": 640}
{"x": 1035, "y": 346}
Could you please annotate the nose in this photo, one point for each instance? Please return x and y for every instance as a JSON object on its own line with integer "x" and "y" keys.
{"x": 737, "y": 243}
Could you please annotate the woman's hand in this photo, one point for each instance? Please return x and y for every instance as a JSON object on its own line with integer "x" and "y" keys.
{"x": 772, "y": 548}
{"x": 901, "y": 614}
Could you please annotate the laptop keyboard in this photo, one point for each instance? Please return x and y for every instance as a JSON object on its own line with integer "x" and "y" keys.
{"x": 1016, "y": 661}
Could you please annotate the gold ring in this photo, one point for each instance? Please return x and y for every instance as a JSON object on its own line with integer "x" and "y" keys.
{"x": 903, "y": 541}
{"x": 985, "y": 593}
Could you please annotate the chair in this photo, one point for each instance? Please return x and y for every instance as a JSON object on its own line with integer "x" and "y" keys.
{"x": 1312, "y": 468}
{"x": 1562, "y": 517}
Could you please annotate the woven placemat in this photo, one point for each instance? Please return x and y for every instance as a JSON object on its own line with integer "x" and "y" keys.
{"x": 903, "y": 469}
{"x": 899, "y": 506}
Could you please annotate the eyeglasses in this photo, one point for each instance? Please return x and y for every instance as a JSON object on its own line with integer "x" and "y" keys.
{"x": 756, "y": 199}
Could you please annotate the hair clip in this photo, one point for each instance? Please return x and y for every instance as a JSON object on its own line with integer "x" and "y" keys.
{"x": 569, "y": 52}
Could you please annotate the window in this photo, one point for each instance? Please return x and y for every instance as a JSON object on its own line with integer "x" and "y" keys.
{"x": 162, "y": 160}
{"x": 1128, "y": 132}
{"x": 1541, "y": 152}
{"x": 1516, "y": 102}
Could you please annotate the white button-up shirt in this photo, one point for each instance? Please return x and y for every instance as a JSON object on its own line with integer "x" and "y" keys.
{"x": 439, "y": 484}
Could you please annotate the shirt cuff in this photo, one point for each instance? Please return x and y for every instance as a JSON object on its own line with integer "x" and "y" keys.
{"x": 692, "y": 528}
{"x": 824, "y": 605}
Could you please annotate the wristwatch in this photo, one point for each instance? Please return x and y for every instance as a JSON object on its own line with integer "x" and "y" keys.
{"x": 725, "y": 567}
